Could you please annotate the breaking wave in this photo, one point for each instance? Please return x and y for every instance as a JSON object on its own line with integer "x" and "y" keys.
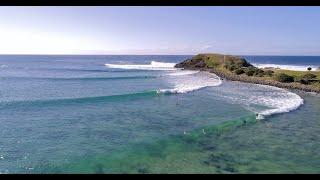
{"x": 154, "y": 65}
{"x": 263, "y": 100}
{"x": 279, "y": 101}
{"x": 183, "y": 81}
{"x": 287, "y": 67}
{"x": 191, "y": 82}
{"x": 182, "y": 73}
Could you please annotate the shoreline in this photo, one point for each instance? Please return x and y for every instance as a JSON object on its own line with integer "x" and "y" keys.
{"x": 288, "y": 86}
{"x": 255, "y": 80}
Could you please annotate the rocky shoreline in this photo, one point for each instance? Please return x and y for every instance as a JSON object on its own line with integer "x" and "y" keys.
{"x": 256, "y": 80}
{"x": 203, "y": 66}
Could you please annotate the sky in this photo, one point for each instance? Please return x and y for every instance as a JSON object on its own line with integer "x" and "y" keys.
{"x": 160, "y": 30}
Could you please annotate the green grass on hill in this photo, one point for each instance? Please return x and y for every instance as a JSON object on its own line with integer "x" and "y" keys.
{"x": 297, "y": 73}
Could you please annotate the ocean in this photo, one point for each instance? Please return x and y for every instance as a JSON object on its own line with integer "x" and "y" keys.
{"x": 298, "y": 63}
{"x": 139, "y": 114}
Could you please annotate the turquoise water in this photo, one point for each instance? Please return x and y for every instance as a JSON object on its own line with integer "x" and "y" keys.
{"x": 73, "y": 114}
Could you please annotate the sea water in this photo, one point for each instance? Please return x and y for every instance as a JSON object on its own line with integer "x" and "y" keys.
{"x": 139, "y": 114}
{"x": 297, "y": 63}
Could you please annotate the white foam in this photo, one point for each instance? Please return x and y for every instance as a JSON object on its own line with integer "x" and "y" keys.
{"x": 180, "y": 89}
{"x": 182, "y": 80}
{"x": 281, "y": 101}
{"x": 274, "y": 100}
{"x": 192, "y": 82}
{"x": 264, "y": 100}
{"x": 154, "y": 65}
{"x": 287, "y": 67}
{"x": 182, "y": 73}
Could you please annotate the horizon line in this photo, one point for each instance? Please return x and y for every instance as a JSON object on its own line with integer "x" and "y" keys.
{"x": 146, "y": 54}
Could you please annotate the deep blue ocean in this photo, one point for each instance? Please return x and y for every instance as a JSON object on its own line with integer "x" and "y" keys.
{"x": 65, "y": 113}
{"x": 285, "y": 60}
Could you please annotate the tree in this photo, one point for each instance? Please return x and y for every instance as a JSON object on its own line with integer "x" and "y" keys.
{"x": 309, "y": 68}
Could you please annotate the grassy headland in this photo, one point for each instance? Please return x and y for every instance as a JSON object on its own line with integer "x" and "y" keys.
{"x": 238, "y": 69}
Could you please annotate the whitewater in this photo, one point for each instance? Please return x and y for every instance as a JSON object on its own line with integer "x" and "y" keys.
{"x": 274, "y": 100}
{"x": 154, "y": 65}
{"x": 287, "y": 67}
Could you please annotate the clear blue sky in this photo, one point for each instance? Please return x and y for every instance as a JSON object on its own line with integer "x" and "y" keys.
{"x": 160, "y": 30}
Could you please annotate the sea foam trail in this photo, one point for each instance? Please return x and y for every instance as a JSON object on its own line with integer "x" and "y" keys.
{"x": 280, "y": 101}
{"x": 287, "y": 67}
{"x": 154, "y": 65}
{"x": 263, "y": 100}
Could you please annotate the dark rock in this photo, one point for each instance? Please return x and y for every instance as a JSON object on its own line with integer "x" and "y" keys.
{"x": 209, "y": 147}
{"x": 201, "y": 64}
{"x": 98, "y": 169}
{"x": 230, "y": 168}
{"x": 143, "y": 170}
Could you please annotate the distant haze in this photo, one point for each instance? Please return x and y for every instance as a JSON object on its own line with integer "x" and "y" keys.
{"x": 160, "y": 30}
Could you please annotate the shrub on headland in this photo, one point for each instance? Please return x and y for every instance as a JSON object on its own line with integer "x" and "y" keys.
{"x": 239, "y": 71}
{"x": 230, "y": 67}
{"x": 269, "y": 73}
{"x": 250, "y": 72}
{"x": 309, "y": 76}
{"x": 253, "y": 71}
{"x": 282, "y": 77}
{"x": 259, "y": 72}
{"x": 306, "y": 79}
{"x": 233, "y": 63}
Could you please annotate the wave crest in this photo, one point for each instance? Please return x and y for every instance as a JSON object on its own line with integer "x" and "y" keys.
{"x": 154, "y": 65}
{"x": 94, "y": 99}
{"x": 188, "y": 83}
{"x": 287, "y": 67}
{"x": 182, "y": 73}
